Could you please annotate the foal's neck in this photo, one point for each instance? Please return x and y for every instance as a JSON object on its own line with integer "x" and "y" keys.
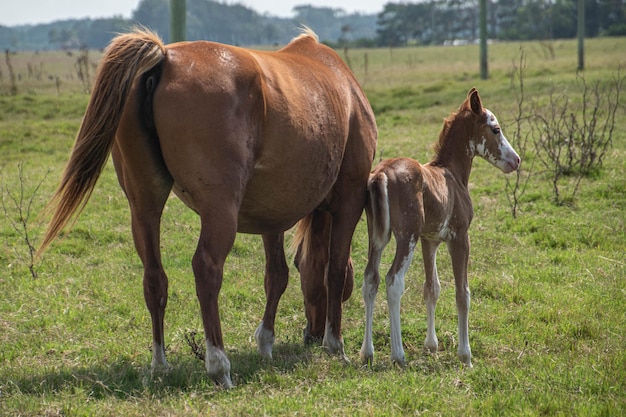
{"x": 452, "y": 151}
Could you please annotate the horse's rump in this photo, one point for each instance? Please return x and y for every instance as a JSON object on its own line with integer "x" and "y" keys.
{"x": 283, "y": 117}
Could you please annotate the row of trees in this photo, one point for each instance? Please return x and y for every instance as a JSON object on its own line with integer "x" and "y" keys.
{"x": 205, "y": 19}
{"x": 436, "y": 21}
{"x": 399, "y": 23}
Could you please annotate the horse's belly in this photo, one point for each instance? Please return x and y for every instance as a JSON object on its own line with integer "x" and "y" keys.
{"x": 275, "y": 199}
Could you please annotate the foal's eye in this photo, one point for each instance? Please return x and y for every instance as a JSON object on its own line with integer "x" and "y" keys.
{"x": 496, "y": 131}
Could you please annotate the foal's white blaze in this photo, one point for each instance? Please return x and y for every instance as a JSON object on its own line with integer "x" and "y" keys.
{"x": 506, "y": 159}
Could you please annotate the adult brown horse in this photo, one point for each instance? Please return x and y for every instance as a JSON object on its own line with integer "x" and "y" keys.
{"x": 253, "y": 141}
{"x": 430, "y": 203}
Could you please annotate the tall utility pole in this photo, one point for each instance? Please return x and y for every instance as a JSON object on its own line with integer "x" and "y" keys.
{"x": 484, "y": 71}
{"x": 178, "y": 10}
{"x": 581, "y": 35}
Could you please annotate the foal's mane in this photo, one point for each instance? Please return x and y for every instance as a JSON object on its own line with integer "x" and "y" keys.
{"x": 451, "y": 123}
{"x": 445, "y": 131}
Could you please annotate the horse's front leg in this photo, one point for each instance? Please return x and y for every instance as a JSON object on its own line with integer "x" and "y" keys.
{"x": 276, "y": 278}
{"x": 339, "y": 274}
{"x": 459, "y": 252}
{"x": 432, "y": 288}
{"x": 217, "y": 236}
{"x": 311, "y": 263}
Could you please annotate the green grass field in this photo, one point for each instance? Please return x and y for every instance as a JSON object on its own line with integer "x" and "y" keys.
{"x": 547, "y": 322}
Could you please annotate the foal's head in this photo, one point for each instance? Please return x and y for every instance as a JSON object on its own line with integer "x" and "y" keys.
{"x": 487, "y": 139}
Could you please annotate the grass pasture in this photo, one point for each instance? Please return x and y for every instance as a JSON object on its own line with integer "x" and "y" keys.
{"x": 548, "y": 314}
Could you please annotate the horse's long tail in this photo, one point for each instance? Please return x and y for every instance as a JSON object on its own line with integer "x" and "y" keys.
{"x": 377, "y": 210}
{"x": 127, "y": 57}
{"x": 300, "y": 245}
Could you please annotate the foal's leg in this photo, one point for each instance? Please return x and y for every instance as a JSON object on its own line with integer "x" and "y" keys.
{"x": 459, "y": 252}
{"x": 405, "y": 248}
{"x": 276, "y": 277}
{"x": 371, "y": 281}
{"x": 432, "y": 288}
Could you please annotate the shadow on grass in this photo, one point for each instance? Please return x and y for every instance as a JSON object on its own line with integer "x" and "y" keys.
{"x": 126, "y": 378}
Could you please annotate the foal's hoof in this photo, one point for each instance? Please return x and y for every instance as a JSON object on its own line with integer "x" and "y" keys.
{"x": 465, "y": 358}
{"x": 431, "y": 346}
{"x": 367, "y": 358}
{"x": 399, "y": 362}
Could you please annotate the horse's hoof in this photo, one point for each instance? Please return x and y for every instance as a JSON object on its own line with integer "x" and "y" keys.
{"x": 218, "y": 366}
{"x": 225, "y": 382}
{"x": 308, "y": 339}
{"x": 264, "y": 341}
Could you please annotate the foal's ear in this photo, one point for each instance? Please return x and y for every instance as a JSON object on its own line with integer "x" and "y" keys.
{"x": 475, "y": 104}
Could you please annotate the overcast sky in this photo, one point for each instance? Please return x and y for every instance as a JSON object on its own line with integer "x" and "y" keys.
{"x": 18, "y": 12}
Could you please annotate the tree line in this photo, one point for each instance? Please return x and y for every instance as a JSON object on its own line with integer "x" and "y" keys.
{"x": 399, "y": 23}
{"x": 440, "y": 21}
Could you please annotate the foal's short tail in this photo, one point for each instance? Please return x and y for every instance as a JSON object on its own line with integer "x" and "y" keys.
{"x": 127, "y": 57}
{"x": 377, "y": 210}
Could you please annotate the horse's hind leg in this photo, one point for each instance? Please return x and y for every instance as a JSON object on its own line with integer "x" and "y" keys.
{"x": 432, "y": 288}
{"x": 276, "y": 278}
{"x": 217, "y": 235}
{"x": 147, "y": 184}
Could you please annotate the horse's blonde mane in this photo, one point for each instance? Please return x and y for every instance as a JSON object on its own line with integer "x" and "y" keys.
{"x": 307, "y": 32}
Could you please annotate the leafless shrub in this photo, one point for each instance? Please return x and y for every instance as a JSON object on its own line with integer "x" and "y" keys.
{"x": 18, "y": 214}
{"x": 196, "y": 345}
{"x": 572, "y": 139}
{"x": 82, "y": 67}
{"x": 12, "y": 80}
{"x": 516, "y": 185}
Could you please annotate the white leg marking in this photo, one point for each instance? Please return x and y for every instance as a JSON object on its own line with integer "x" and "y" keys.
{"x": 158, "y": 357}
{"x": 464, "y": 352}
{"x": 432, "y": 289}
{"x": 395, "y": 289}
{"x": 264, "y": 341}
{"x": 369, "y": 290}
{"x": 217, "y": 366}
{"x": 333, "y": 344}
{"x": 431, "y": 295}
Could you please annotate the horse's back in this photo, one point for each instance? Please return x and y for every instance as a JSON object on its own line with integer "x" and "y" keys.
{"x": 275, "y": 129}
